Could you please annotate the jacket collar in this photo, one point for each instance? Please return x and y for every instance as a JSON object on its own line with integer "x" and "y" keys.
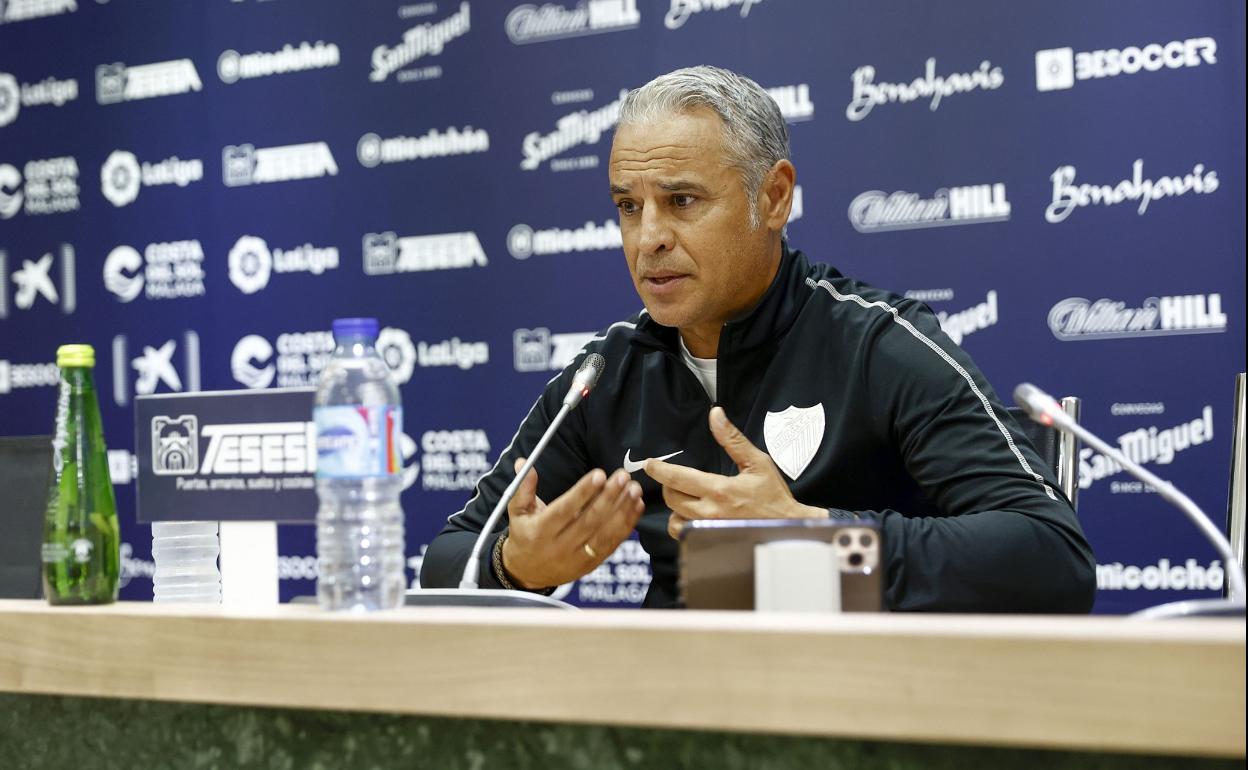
{"x": 769, "y": 320}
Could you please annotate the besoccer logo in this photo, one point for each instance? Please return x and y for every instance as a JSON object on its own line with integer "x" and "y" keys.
{"x": 1055, "y": 69}
{"x": 120, "y": 178}
{"x": 251, "y": 264}
{"x": 10, "y": 99}
{"x": 175, "y": 445}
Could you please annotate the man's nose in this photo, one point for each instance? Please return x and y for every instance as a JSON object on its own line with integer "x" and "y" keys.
{"x": 656, "y": 231}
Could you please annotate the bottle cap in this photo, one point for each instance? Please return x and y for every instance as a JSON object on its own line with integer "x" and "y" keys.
{"x": 75, "y": 355}
{"x": 355, "y": 327}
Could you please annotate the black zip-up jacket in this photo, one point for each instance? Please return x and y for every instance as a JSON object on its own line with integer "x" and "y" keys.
{"x": 914, "y": 437}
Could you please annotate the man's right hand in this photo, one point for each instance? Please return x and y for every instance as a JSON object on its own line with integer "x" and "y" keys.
{"x": 556, "y": 543}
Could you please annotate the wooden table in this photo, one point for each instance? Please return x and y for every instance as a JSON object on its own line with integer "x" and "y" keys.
{"x": 1081, "y": 684}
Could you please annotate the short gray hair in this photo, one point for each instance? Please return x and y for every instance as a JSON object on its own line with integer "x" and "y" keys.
{"x": 754, "y": 131}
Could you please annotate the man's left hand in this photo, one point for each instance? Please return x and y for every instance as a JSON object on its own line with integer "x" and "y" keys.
{"x": 757, "y": 492}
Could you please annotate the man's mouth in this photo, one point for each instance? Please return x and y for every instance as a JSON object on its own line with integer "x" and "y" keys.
{"x": 664, "y": 278}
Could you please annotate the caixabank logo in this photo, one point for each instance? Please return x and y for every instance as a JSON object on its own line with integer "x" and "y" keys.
{"x": 47, "y": 92}
{"x": 164, "y": 364}
{"x": 48, "y": 280}
{"x": 1062, "y": 68}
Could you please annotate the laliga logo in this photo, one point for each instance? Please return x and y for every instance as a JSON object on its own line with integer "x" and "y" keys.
{"x": 120, "y": 178}
{"x": 250, "y": 362}
{"x": 251, "y": 264}
{"x": 411, "y": 470}
{"x": 10, "y": 99}
{"x": 396, "y": 349}
{"x": 122, "y": 274}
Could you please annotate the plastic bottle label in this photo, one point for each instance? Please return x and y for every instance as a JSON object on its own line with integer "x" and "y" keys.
{"x": 358, "y": 441}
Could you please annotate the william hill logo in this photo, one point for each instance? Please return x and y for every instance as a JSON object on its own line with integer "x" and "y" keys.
{"x": 875, "y": 211}
{"x": 1077, "y": 318}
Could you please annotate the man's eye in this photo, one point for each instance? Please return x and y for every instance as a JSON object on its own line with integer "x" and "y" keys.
{"x": 627, "y": 207}
{"x": 682, "y": 201}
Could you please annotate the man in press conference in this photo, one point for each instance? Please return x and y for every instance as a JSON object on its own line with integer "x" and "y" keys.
{"x": 888, "y": 420}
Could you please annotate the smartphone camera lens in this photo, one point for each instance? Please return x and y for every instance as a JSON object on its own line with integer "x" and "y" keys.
{"x": 845, "y": 540}
{"x": 855, "y": 559}
{"x": 865, "y": 540}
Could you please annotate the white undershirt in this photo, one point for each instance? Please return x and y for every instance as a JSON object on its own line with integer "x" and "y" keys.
{"x": 703, "y": 368}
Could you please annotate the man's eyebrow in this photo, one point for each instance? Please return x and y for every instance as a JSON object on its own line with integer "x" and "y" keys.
{"x": 676, "y": 185}
{"x": 680, "y": 185}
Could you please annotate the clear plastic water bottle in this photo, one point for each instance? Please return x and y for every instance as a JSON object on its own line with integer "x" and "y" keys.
{"x": 359, "y": 524}
{"x": 185, "y": 553}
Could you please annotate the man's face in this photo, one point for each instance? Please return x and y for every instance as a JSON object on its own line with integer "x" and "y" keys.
{"x": 684, "y": 217}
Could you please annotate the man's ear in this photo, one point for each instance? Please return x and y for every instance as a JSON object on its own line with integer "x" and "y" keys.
{"x": 776, "y": 195}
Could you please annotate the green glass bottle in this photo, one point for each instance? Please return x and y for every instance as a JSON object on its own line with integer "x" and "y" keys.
{"x": 81, "y": 541}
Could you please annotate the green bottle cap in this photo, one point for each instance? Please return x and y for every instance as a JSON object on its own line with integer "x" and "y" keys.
{"x": 75, "y": 355}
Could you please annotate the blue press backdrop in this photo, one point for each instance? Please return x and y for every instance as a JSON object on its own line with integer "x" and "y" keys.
{"x": 198, "y": 188}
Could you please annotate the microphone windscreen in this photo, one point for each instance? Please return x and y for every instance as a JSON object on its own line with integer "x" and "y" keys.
{"x": 1038, "y": 405}
{"x": 591, "y": 369}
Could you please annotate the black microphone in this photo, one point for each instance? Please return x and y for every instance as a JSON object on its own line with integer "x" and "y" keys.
{"x": 583, "y": 382}
{"x": 1044, "y": 409}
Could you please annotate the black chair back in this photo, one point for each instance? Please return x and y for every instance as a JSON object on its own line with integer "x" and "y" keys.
{"x": 1045, "y": 439}
{"x": 25, "y": 463}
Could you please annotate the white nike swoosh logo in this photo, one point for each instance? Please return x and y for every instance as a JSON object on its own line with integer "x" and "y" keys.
{"x": 633, "y": 467}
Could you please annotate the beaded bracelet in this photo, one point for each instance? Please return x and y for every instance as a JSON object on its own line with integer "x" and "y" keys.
{"x": 496, "y": 561}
